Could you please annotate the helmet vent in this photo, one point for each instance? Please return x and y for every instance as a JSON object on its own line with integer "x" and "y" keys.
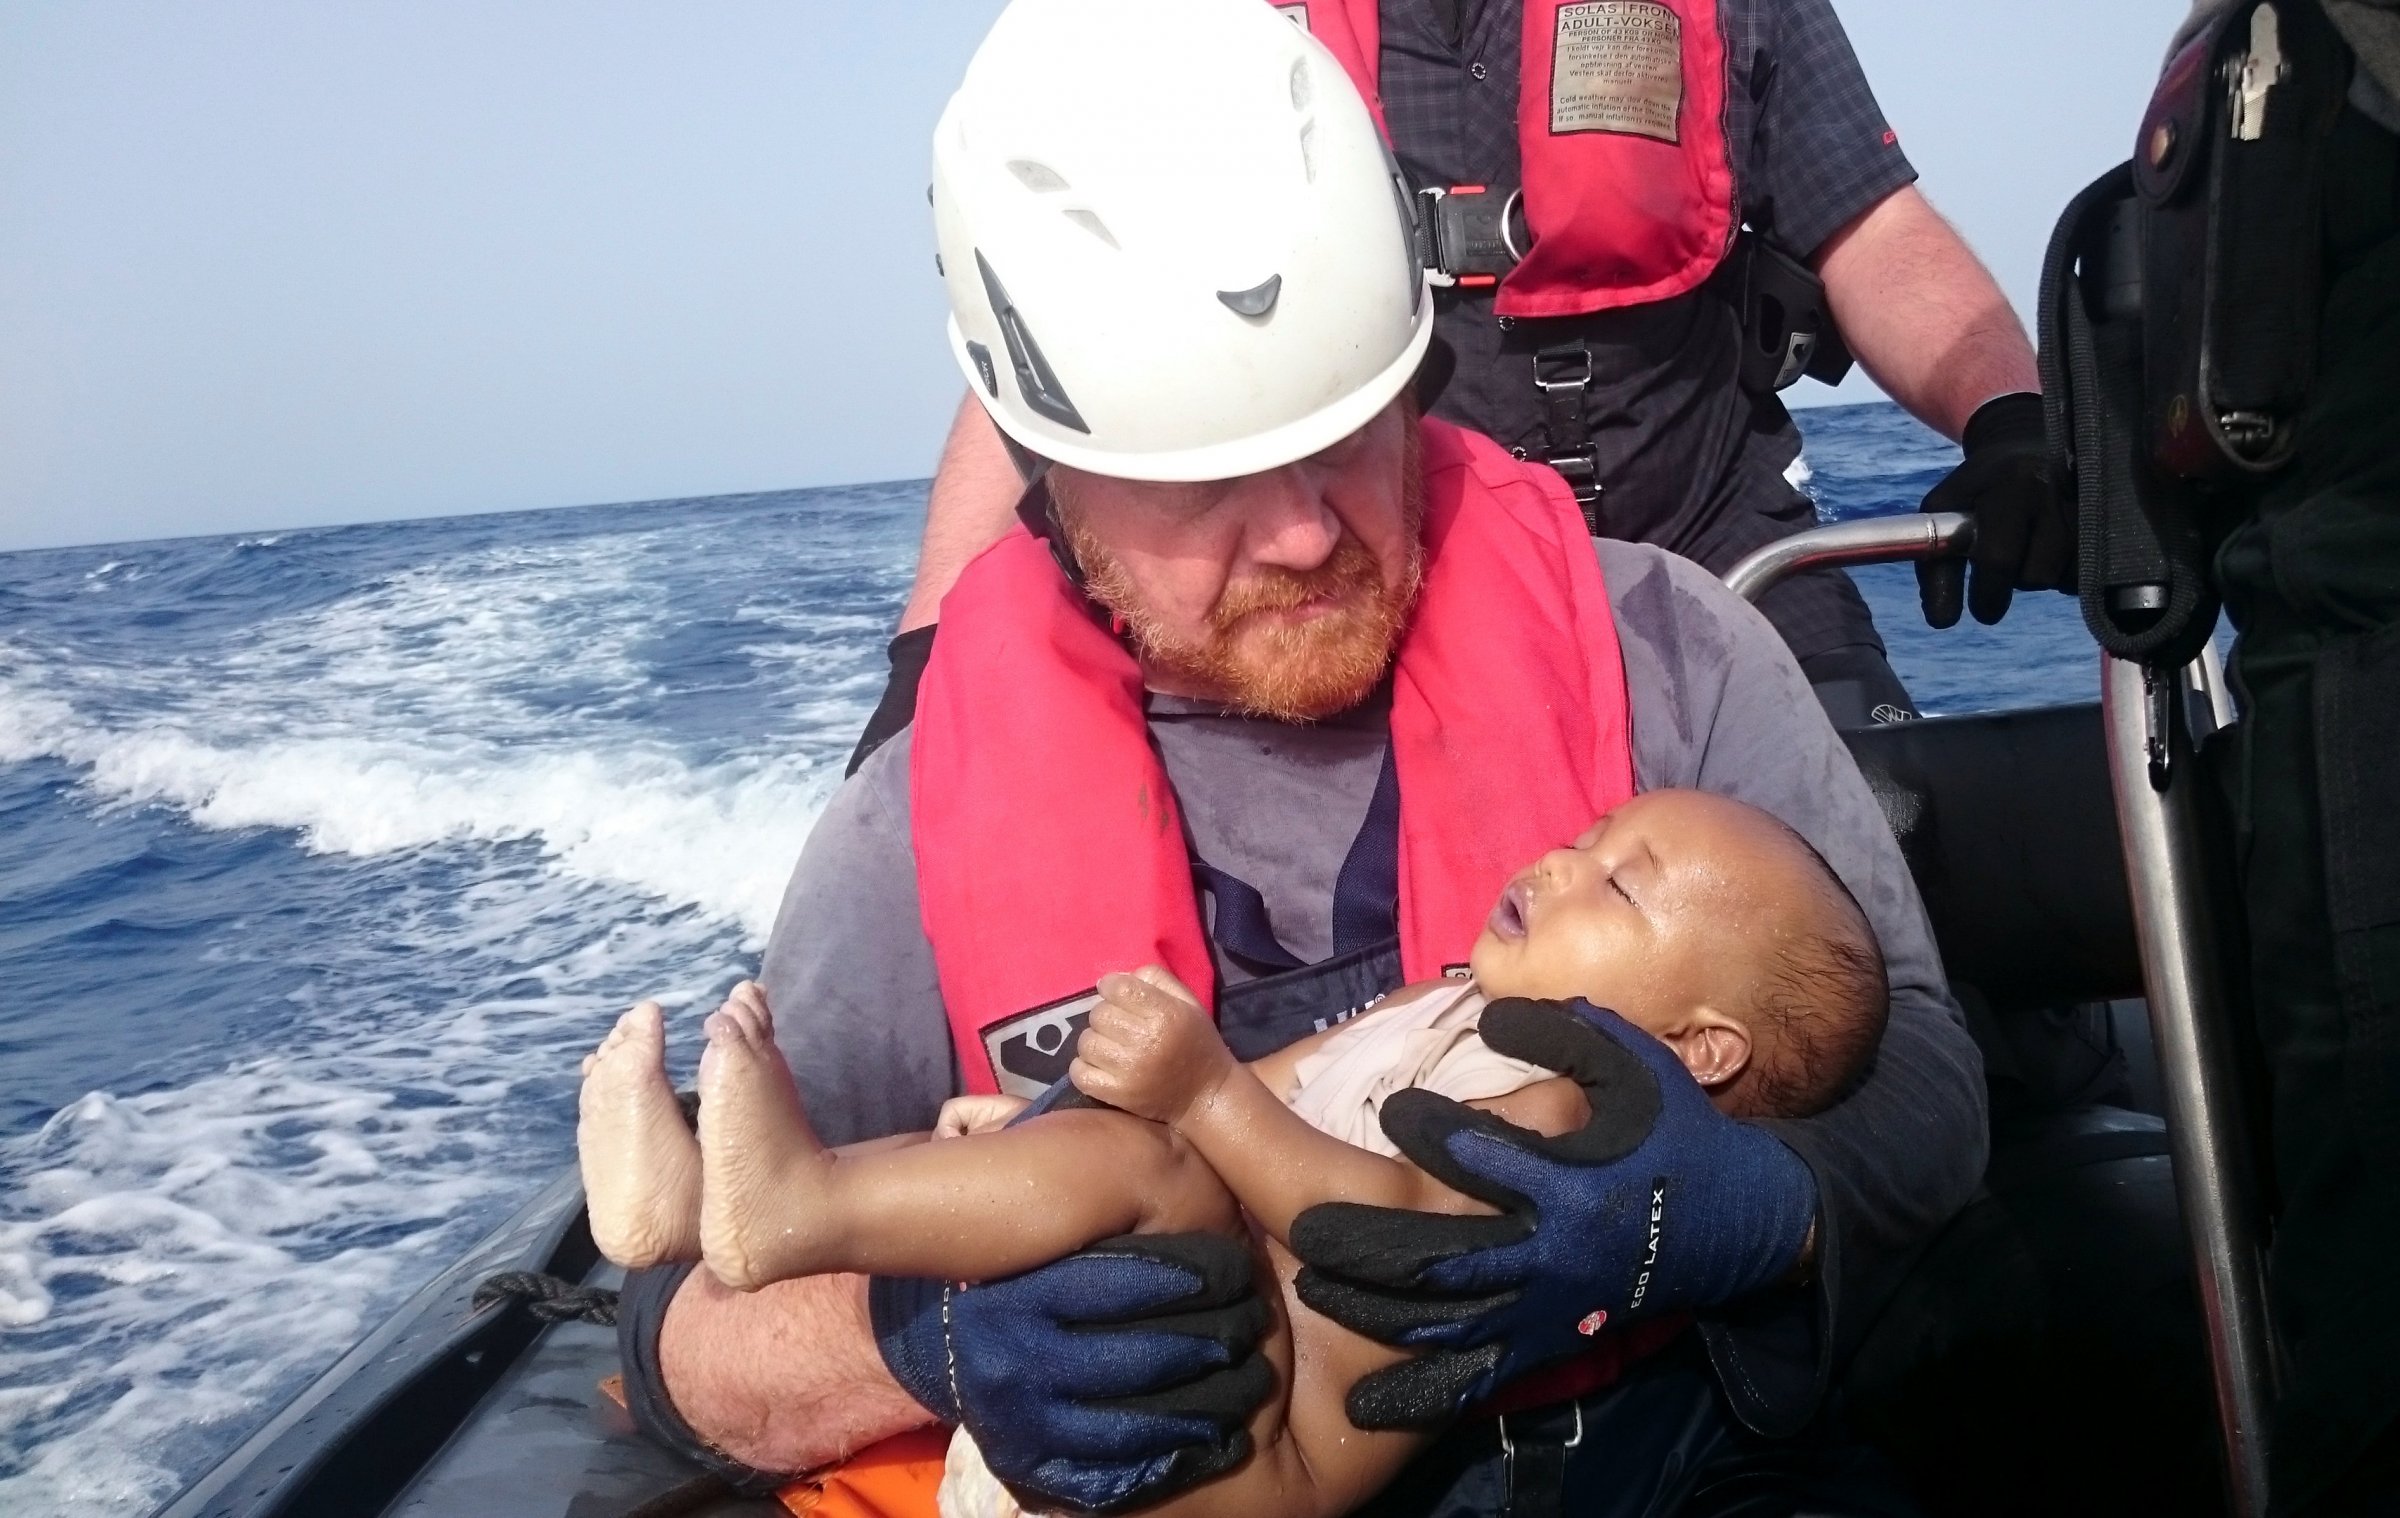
{"x": 1037, "y": 177}
{"x": 1036, "y": 381}
{"x": 1090, "y": 221}
{"x": 982, "y": 358}
{"x": 1308, "y": 150}
{"x": 1255, "y": 301}
{"x": 1304, "y": 89}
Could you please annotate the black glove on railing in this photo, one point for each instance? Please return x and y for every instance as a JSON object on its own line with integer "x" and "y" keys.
{"x": 2024, "y": 522}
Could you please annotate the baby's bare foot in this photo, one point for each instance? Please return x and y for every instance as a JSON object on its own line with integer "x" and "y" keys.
{"x": 641, "y": 1165}
{"x": 761, "y": 1163}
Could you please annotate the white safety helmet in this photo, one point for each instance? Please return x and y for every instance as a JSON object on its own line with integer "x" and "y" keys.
{"x": 1175, "y": 245}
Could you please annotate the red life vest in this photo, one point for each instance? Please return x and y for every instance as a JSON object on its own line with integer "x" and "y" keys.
{"x": 1048, "y": 843}
{"x": 1629, "y": 188}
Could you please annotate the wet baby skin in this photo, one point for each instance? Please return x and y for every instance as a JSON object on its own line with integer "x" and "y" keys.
{"x": 1197, "y": 1140}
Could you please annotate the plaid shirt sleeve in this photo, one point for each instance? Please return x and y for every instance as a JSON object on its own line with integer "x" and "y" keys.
{"x": 1814, "y": 146}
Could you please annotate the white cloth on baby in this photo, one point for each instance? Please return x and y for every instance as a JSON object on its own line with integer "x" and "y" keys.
{"x": 1429, "y": 1041}
{"x": 1340, "y": 1088}
{"x": 969, "y": 1489}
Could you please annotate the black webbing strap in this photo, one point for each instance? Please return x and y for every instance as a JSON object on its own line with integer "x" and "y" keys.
{"x": 2265, "y": 264}
{"x": 1366, "y": 895}
{"x": 1534, "y": 1445}
{"x": 1240, "y": 925}
{"x": 2142, "y": 554}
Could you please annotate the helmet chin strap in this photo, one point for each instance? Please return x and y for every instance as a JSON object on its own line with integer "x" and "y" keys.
{"x": 1030, "y": 465}
{"x": 1434, "y": 374}
{"x": 1038, "y": 510}
{"x": 1035, "y": 508}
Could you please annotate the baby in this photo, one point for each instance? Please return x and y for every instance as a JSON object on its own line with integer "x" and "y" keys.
{"x": 1704, "y": 922}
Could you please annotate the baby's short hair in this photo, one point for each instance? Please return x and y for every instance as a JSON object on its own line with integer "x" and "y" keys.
{"x": 1818, "y": 1013}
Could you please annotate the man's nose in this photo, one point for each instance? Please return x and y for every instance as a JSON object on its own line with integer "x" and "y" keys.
{"x": 1287, "y": 522}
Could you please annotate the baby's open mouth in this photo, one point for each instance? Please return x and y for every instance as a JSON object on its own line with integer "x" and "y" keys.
{"x": 1508, "y": 917}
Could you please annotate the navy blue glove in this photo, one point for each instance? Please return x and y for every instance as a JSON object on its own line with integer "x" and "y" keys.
{"x": 2010, "y": 483}
{"x": 1109, "y": 1380}
{"x": 1659, "y": 1202}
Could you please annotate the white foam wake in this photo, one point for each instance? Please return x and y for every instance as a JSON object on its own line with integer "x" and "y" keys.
{"x": 176, "y": 1261}
{"x": 1801, "y": 477}
{"x": 496, "y": 696}
{"x": 721, "y": 838}
{"x": 558, "y": 787}
{"x": 165, "y": 1211}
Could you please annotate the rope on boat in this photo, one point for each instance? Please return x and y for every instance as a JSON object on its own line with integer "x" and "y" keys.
{"x": 548, "y": 1298}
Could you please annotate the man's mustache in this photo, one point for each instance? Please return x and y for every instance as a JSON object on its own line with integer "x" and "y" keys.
{"x": 1350, "y": 573}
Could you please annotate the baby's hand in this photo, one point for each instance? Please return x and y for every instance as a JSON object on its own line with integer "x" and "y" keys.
{"x": 962, "y": 1115}
{"x": 1149, "y": 1050}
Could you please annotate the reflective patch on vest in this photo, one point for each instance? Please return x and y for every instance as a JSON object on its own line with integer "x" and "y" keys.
{"x": 1297, "y": 15}
{"x": 1618, "y": 67}
{"x": 1030, "y": 1052}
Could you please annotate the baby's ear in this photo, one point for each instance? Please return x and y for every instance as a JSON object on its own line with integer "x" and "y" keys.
{"x": 1714, "y": 1047}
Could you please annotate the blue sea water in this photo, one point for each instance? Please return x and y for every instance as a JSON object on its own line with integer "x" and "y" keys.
{"x": 325, "y": 854}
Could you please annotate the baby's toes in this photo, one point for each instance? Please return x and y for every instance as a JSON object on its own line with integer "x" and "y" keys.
{"x": 749, "y": 1021}
{"x": 762, "y": 1017}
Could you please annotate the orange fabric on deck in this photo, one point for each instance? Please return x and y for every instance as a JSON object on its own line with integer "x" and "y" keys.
{"x": 898, "y": 1478}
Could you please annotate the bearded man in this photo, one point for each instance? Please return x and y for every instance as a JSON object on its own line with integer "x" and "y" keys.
{"x": 1278, "y": 686}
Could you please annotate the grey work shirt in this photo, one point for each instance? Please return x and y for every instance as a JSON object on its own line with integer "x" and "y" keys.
{"x": 1717, "y": 705}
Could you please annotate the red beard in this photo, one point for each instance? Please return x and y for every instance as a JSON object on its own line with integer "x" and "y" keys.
{"x": 1255, "y": 660}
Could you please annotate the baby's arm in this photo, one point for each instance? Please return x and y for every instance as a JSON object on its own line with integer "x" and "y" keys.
{"x": 1154, "y": 1053}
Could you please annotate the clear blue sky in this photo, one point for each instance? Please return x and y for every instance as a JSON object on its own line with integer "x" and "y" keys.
{"x": 268, "y": 263}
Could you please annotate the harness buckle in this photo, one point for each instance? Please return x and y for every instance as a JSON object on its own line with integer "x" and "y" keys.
{"x": 1563, "y": 374}
{"x": 1566, "y": 367}
{"x": 1536, "y": 1488}
{"x": 1470, "y": 233}
{"x": 1580, "y": 468}
{"x": 1508, "y": 1446}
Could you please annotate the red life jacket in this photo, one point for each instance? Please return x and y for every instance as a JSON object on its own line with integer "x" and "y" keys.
{"x": 1629, "y": 188}
{"x": 1048, "y": 843}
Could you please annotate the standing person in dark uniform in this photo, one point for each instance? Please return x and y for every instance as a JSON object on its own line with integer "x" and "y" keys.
{"x": 1656, "y": 130}
{"x": 2222, "y": 316}
{"x": 2311, "y": 578}
{"x": 2313, "y": 583}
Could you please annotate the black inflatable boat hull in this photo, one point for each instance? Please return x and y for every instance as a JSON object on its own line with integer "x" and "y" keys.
{"x": 453, "y": 1411}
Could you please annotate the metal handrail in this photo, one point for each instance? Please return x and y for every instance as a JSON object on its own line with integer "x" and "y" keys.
{"x": 2191, "y": 1022}
{"x": 2151, "y": 770}
{"x": 1869, "y": 540}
